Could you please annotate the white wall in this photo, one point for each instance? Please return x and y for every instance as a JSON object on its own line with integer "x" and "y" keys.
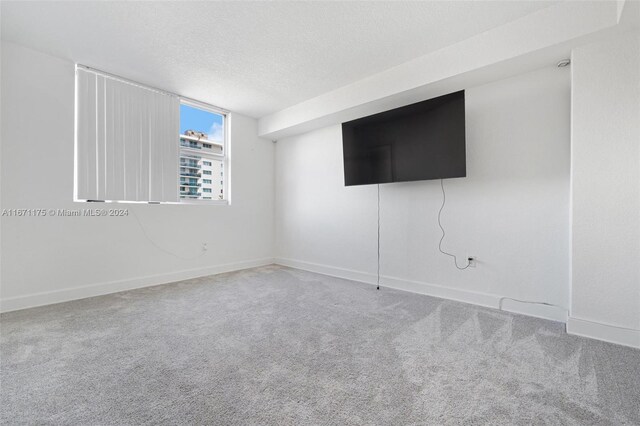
{"x": 606, "y": 190}
{"x": 50, "y": 259}
{"x": 511, "y": 211}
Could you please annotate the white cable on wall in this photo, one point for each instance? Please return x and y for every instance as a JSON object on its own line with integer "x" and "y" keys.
{"x": 502, "y": 299}
{"x": 455, "y": 259}
{"x": 144, "y": 232}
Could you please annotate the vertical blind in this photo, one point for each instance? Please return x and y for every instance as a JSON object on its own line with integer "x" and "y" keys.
{"x": 127, "y": 140}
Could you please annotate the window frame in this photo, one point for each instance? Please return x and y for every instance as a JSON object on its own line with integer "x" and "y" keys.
{"x": 226, "y": 187}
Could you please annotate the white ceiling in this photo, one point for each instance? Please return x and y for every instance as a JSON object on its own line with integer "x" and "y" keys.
{"x": 251, "y": 57}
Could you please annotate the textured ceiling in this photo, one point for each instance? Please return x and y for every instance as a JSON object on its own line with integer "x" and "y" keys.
{"x": 250, "y": 57}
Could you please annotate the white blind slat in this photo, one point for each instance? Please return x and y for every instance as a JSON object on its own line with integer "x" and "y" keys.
{"x": 119, "y": 120}
{"x": 110, "y": 134}
{"x": 143, "y": 161}
{"x": 169, "y": 152}
{"x": 101, "y": 127}
{"x": 85, "y": 147}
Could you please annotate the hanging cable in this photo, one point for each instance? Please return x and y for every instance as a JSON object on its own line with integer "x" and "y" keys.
{"x": 378, "y": 287}
{"x": 144, "y": 231}
{"x": 455, "y": 259}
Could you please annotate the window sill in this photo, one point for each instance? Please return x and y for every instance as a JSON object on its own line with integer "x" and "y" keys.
{"x": 204, "y": 202}
{"x": 188, "y": 202}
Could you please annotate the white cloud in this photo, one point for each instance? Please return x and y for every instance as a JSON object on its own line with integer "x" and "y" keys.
{"x": 216, "y": 132}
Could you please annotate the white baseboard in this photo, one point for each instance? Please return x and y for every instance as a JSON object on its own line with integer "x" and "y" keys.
{"x": 606, "y": 332}
{"x": 552, "y": 313}
{"x": 99, "y": 289}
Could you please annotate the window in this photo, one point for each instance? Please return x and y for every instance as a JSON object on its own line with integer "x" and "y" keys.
{"x": 202, "y": 147}
{"x": 134, "y": 143}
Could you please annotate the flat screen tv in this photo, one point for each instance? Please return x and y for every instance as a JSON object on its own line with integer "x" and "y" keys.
{"x": 421, "y": 141}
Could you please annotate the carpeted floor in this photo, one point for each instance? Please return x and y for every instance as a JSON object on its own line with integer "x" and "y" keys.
{"x": 274, "y": 345}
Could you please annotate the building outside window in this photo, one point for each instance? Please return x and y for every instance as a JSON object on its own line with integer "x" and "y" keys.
{"x": 202, "y": 149}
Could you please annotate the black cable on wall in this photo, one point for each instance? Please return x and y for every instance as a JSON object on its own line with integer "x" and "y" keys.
{"x": 378, "y": 287}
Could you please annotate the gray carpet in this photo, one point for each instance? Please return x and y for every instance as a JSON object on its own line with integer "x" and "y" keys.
{"x": 274, "y": 345}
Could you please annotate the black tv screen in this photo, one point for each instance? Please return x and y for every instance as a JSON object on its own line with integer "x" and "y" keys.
{"x": 422, "y": 141}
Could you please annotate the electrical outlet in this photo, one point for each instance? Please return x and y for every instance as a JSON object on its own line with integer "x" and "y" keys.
{"x": 204, "y": 247}
{"x": 473, "y": 261}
